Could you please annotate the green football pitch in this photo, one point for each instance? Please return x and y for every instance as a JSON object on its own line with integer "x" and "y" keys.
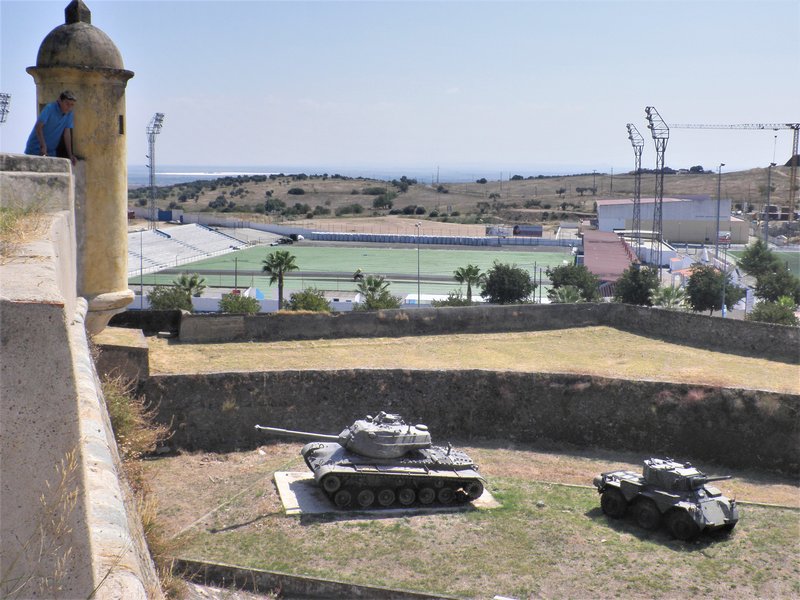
{"x": 332, "y": 267}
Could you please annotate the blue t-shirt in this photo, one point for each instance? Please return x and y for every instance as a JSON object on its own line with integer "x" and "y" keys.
{"x": 55, "y": 122}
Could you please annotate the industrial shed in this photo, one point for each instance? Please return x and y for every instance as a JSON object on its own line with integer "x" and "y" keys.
{"x": 686, "y": 219}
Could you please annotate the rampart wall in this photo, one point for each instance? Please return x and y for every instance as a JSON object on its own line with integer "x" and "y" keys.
{"x": 730, "y": 427}
{"x": 776, "y": 342}
{"x": 65, "y": 528}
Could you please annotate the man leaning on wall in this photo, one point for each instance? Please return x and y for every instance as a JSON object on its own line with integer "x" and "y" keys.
{"x": 52, "y": 133}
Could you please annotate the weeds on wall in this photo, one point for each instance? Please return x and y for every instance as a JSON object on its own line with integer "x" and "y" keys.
{"x": 18, "y": 225}
{"x": 137, "y": 435}
{"x": 39, "y": 566}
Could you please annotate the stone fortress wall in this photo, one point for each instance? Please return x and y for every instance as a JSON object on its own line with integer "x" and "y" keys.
{"x": 776, "y": 342}
{"x": 53, "y": 418}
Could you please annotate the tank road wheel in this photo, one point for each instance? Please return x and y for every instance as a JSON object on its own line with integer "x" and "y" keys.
{"x": 474, "y": 490}
{"x": 613, "y": 503}
{"x": 331, "y": 483}
{"x": 446, "y": 495}
{"x": 343, "y": 499}
{"x": 406, "y": 496}
{"x": 386, "y": 497}
{"x": 647, "y": 514}
{"x": 365, "y": 498}
{"x": 426, "y": 495}
{"x": 682, "y": 525}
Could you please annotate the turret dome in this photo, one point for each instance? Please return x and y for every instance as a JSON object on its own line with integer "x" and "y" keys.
{"x": 77, "y": 43}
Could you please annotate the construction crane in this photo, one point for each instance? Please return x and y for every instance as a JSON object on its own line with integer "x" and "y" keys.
{"x": 795, "y": 127}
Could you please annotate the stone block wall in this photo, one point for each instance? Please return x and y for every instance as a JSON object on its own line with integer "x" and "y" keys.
{"x": 776, "y": 342}
{"x": 731, "y": 427}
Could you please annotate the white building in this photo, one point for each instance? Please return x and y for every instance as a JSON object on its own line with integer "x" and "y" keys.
{"x": 688, "y": 219}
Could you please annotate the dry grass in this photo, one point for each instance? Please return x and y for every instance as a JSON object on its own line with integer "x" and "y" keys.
{"x": 546, "y": 540}
{"x": 740, "y": 186}
{"x": 598, "y": 351}
{"x": 137, "y": 435}
{"x": 19, "y": 225}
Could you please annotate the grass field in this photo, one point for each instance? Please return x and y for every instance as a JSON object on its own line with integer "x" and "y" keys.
{"x": 600, "y": 351}
{"x": 546, "y": 540}
{"x": 337, "y": 263}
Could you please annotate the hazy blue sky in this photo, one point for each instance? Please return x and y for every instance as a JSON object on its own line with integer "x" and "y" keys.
{"x": 526, "y": 86}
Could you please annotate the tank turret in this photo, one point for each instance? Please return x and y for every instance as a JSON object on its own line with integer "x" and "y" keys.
{"x": 383, "y": 436}
{"x": 382, "y": 460}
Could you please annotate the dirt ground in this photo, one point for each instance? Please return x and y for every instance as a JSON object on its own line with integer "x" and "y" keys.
{"x": 215, "y": 480}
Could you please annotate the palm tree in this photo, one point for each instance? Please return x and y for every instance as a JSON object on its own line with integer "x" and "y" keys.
{"x": 375, "y": 290}
{"x": 670, "y": 297}
{"x": 276, "y": 265}
{"x": 372, "y": 285}
{"x": 192, "y": 284}
{"x": 567, "y": 294}
{"x": 471, "y": 275}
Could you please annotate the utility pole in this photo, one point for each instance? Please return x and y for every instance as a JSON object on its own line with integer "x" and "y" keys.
{"x": 5, "y": 106}
{"x": 719, "y": 198}
{"x": 766, "y": 206}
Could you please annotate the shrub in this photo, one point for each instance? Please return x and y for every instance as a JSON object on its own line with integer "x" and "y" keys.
{"x": 311, "y": 299}
{"x": 296, "y": 191}
{"x": 169, "y": 297}
{"x": 455, "y": 298}
{"x": 237, "y": 303}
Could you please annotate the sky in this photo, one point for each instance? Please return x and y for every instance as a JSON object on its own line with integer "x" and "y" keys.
{"x": 522, "y": 87}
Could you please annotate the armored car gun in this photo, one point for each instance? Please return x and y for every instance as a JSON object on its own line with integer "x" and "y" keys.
{"x": 382, "y": 461}
{"x": 673, "y": 492}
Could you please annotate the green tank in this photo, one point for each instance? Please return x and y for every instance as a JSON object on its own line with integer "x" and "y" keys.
{"x": 671, "y": 492}
{"x": 382, "y": 461}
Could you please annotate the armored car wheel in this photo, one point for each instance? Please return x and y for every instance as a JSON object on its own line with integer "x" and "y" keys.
{"x": 365, "y": 498}
{"x": 331, "y": 483}
{"x": 426, "y": 495}
{"x": 613, "y": 503}
{"x": 474, "y": 490}
{"x": 406, "y": 496}
{"x": 682, "y": 525}
{"x": 343, "y": 498}
{"x": 647, "y": 514}
{"x": 386, "y": 497}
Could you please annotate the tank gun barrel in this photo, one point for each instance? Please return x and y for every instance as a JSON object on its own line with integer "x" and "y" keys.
{"x": 717, "y": 478}
{"x": 301, "y": 434}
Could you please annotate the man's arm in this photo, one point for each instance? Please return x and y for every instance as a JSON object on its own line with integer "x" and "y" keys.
{"x": 40, "y": 136}
{"x": 68, "y": 145}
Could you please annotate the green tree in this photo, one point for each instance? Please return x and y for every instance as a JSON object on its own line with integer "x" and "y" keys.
{"x": 471, "y": 275}
{"x": 757, "y": 260}
{"x": 238, "y": 303}
{"x": 776, "y": 284}
{"x": 636, "y": 286}
{"x": 375, "y": 291}
{"x": 578, "y": 276}
{"x": 276, "y": 265}
{"x": 192, "y": 284}
{"x": 169, "y": 297}
{"x": 309, "y": 299}
{"x": 780, "y": 312}
{"x": 567, "y": 294}
{"x": 669, "y": 297}
{"x": 704, "y": 289}
{"x": 455, "y": 298}
{"x": 507, "y": 284}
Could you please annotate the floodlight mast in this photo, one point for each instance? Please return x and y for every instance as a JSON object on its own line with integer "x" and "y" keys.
{"x": 637, "y": 141}
{"x": 658, "y": 128}
{"x": 153, "y": 129}
{"x": 5, "y": 105}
